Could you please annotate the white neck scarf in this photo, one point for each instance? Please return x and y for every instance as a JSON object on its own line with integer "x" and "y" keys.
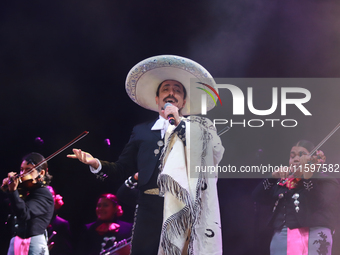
{"x": 161, "y": 124}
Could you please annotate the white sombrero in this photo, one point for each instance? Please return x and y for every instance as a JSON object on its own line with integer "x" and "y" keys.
{"x": 144, "y": 78}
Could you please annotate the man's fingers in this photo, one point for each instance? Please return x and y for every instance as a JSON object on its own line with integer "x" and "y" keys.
{"x": 77, "y": 154}
{"x": 83, "y": 157}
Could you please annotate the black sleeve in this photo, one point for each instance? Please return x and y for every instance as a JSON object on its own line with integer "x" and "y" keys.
{"x": 40, "y": 203}
{"x": 321, "y": 195}
{"x": 127, "y": 196}
{"x": 264, "y": 191}
{"x": 125, "y": 166}
{"x": 323, "y": 192}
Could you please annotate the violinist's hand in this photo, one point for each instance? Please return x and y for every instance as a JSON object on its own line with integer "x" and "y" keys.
{"x": 319, "y": 158}
{"x": 13, "y": 185}
{"x": 4, "y": 184}
{"x": 171, "y": 109}
{"x": 283, "y": 172}
{"x": 84, "y": 157}
{"x": 306, "y": 161}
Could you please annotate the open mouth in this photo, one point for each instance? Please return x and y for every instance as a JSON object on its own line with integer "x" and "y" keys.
{"x": 170, "y": 100}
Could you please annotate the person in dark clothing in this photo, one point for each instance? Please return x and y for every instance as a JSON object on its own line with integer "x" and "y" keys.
{"x": 304, "y": 204}
{"x": 127, "y": 196}
{"x": 106, "y": 230}
{"x": 160, "y": 84}
{"x": 5, "y": 214}
{"x": 59, "y": 234}
{"x": 32, "y": 208}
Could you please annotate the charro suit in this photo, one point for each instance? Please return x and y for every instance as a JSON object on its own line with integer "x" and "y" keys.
{"x": 31, "y": 217}
{"x": 318, "y": 199}
{"x": 139, "y": 156}
{"x": 311, "y": 205}
{"x": 90, "y": 241}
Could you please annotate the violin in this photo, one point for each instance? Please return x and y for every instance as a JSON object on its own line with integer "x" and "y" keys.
{"x": 314, "y": 154}
{"x": 30, "y": 177}
{"x": 26, "y": 180}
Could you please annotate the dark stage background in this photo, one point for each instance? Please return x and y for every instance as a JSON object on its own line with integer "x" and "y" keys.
{"x": 63, "y": 67}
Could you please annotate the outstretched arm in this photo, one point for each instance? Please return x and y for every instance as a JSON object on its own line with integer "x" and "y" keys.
{"x": 84, "y": 157}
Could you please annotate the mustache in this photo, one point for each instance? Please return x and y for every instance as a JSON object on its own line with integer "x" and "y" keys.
{"x": 170, "y": 97}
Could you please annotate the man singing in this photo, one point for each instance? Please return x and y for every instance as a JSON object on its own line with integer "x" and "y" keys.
{"x": 178, "y": 210}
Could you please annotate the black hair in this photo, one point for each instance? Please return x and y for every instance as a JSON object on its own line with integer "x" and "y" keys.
{"x": 309, "y": 146}
{"x": 110, "y": 197}
{"x": 34, "y": 158}
{"x": 159, "y": 86}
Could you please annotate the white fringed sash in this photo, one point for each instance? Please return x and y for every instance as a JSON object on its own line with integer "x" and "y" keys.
{"x": 191, "y": 218}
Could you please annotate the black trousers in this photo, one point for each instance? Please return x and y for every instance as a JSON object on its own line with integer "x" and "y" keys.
{"x": 148, "y": 225}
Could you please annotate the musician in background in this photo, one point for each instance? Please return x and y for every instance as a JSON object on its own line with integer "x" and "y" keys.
{"x": 5, "y": 214}
{"x": 32, "y": 208}
{"x": 303, "y": 204}
{"x": 59, "y": 234}
{"x": 106, "y": 230}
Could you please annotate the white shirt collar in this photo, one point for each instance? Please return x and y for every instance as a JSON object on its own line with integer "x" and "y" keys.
{"x": 161, "y": 124}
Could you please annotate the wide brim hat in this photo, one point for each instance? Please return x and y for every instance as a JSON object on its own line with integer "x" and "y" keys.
{"x": 144, "y": 78}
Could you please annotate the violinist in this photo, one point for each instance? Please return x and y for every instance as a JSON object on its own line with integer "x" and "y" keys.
{"x": 32, "y": 208}
{"x": 303, "y": 204}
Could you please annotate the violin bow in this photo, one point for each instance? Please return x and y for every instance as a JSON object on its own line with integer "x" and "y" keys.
{"x": 324, "y": 140}
{"x": 224, "y": 130}
{"x": 320, "y": 144}
{"x": 79, "y": 137}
